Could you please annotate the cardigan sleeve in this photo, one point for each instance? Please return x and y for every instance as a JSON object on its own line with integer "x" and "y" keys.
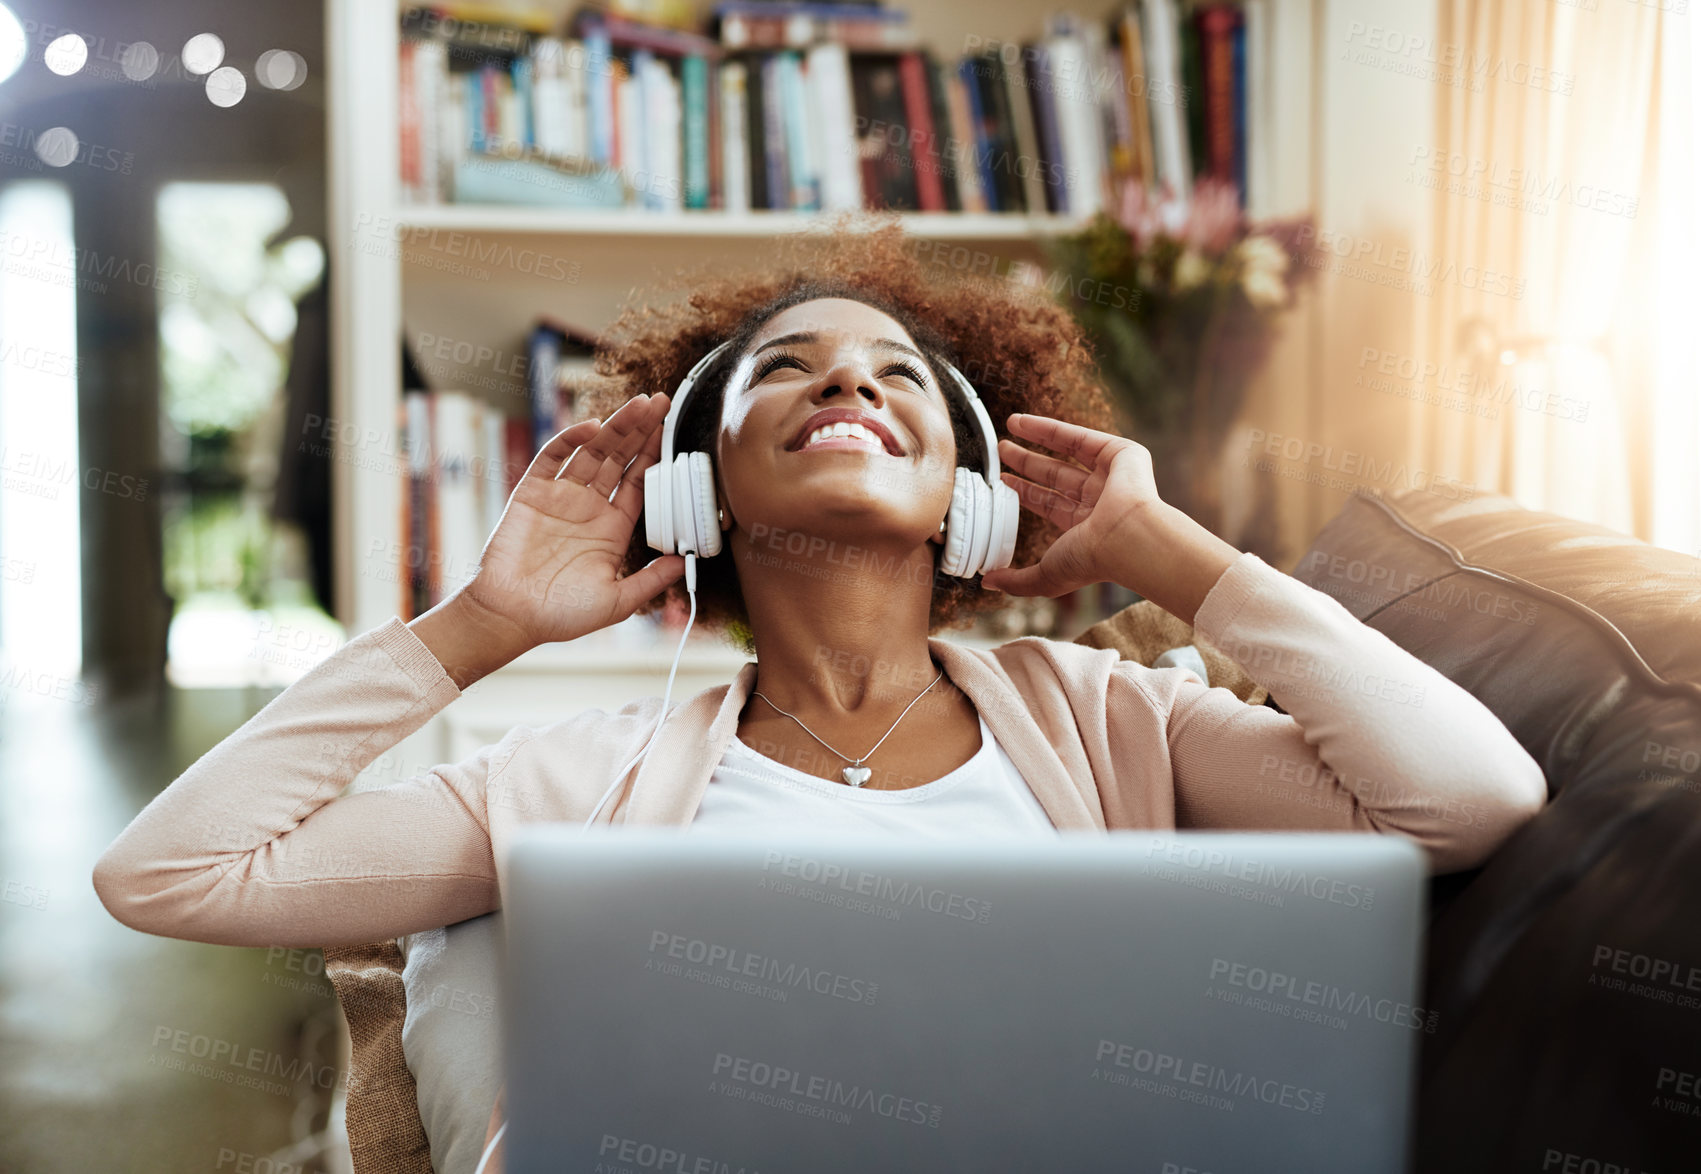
{"x": 251, "y": 845}
{"x": 1373, "y": 739}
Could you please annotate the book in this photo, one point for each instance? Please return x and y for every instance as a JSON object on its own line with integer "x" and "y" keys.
{"x": 1042, "y": 99}
{"x": 599, "y": 94}
{"x": 943, "y": 147}
{"x": 801, "y": 169}
{"x": 828, "y": 77}
{"x": 694, "y": 85}
{"x": 735, "y": 143}
{"x": 1215, "y": 32}
{"x": 984, "y": 144}
{"x": 888, "y": 171}
{"x": 776, "y": 167}
{"x": 924, "y": 148}
{"x": 965, "y": 167}
{"x": 773, "y": 24}
{"x": 1029, "y": 164}
{"x": 1159, "y": 26}
{"x": 1259, "y": 192}
{"x": 1139, "y": 95}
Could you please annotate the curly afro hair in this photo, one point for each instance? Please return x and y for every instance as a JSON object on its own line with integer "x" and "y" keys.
{"x": 1020, "y": 350}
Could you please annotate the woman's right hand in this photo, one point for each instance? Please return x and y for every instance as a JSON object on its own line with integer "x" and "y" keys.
{"x": 551, "y": 569}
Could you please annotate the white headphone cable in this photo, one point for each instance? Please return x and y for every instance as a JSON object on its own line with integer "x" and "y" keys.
{"x": 691, "y": 587}
{"x": 491, "y": 1148}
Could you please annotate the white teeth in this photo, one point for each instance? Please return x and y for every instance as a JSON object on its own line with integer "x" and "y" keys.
{"x": 843, "y": 428}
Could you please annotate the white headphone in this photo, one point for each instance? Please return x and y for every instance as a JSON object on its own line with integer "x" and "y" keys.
{"x": 679, "y": 495}
{"x": 680, "y": 518}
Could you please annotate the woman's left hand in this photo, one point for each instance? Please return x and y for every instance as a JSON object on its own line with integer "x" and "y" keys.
{"x": 1100, "y": 504}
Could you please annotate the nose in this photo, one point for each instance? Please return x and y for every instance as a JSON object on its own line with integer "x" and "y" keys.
{"x": 849, "y": 373}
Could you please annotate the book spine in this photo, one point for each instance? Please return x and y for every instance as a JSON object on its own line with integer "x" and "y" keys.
{"x": 1237, "y": 39}
{"x": 493, "y": 471}
{"x": 577, "y": 81}
{"x": 694, "y": 85}
{"x": 1163, "y": 55}
{"x": 1137, "y": 86}
{"x": 408, "y": 122}
{"x": 943, "y": 132}
{"x": 973, "y": 199}
{"x": 474, "y": 87}
{"x": 543, "y": 357}
{"x": 983, "y": 142}
{"x": 549, "y": 99}
{"x": 1259, "y": 195}
{"x": 828, "y": 78}
{"x": 1042, "y": 98}
{"x": 923, "y": 147}
{"x": 599, "y": 95}
{"x": 525, "y": 125}
{"x": 1216, "y": 50}
{"x": 800, "y": 156}
{"x": 776, "y": 169}
{"x": 1030, "y": 164}
{"x": 735, "y": 140}
{"x": 712, "y": 100}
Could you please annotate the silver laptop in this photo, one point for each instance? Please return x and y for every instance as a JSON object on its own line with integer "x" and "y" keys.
{"x": 1172, "y": 1003}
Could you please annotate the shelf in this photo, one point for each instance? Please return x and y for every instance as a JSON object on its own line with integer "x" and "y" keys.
{"x": 485, "y": 218}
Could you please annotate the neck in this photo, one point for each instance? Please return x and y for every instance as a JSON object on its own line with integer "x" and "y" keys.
{"x": 839, "y": 636}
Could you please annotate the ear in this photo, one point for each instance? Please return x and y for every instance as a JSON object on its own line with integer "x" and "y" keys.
{"x": 725, "y": 511}
{"x": 937, "y": 536}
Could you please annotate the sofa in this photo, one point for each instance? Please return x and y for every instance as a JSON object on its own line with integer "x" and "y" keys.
{"x": 1565, "y": 975}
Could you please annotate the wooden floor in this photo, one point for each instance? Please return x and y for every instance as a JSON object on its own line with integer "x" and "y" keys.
{"x": 125, "y": 1052}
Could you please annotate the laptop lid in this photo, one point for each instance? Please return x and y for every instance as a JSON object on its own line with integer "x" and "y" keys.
{"x": 1164, "y": 1002}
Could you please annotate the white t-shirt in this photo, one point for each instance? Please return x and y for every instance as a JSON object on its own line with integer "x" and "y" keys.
{"x": 750, "y": 792}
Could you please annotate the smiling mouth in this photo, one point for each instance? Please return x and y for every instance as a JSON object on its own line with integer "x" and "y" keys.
{"x": 843, "y": 436}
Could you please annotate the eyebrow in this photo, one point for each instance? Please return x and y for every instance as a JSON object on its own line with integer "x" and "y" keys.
{"x": 807, "y": 336}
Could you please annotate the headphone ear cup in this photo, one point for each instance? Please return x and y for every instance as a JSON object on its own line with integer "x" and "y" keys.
{"x": 658, "y": 509}
{"x": 1006, "y": 508}
{"x": 687, "y": 483}
{"x": 959, "y": 524}
{"x": 699, "y": 475}
{"x": 981, "y": 536}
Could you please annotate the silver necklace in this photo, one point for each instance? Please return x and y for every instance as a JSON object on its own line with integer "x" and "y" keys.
{"x": 855, "y": 774}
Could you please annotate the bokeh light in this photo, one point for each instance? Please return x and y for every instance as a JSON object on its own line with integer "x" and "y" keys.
{"x": 66, "y": 55}
{"x": 202, "y": 53}
{"x": 139, "y": 61}
{"x": 14, "y": 45}
{"x": 226, "y": 86}
{"x": 280, "y": 69}
{"x": 57, "y": 147}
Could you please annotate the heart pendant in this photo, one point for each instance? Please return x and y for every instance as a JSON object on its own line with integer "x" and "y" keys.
{"x": 856, "y": 775}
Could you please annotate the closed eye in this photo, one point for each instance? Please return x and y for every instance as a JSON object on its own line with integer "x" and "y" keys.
{"x": 775, "y": 361}
{"x": 909, "y": 371}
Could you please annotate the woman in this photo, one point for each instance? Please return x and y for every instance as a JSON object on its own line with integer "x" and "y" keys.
{"x": 252, "y": 846}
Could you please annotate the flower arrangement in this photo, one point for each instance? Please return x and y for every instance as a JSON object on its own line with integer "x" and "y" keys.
{"x": 1203, "y": 286}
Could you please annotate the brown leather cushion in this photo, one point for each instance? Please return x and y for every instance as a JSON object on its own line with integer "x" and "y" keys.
{"x": 1553, "y": 1048}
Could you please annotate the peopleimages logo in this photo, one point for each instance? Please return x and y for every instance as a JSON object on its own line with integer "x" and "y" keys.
{"x": 836, "y": 1093}
{"x": 873, "y": 885}
{"x": 1163, "y": 1066}
{"x": 764, "y": 967}
{"x": 1326, "y": 996}
{"x": 649, "y": 1156}
{"x": 1282, "y": 877}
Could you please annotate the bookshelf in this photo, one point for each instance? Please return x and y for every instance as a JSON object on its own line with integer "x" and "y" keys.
{"x": 969, "y": 226}
{"x": 392, "y": 275}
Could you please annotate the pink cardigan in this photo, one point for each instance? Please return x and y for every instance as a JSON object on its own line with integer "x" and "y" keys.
{"x": 253, "y": 846}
